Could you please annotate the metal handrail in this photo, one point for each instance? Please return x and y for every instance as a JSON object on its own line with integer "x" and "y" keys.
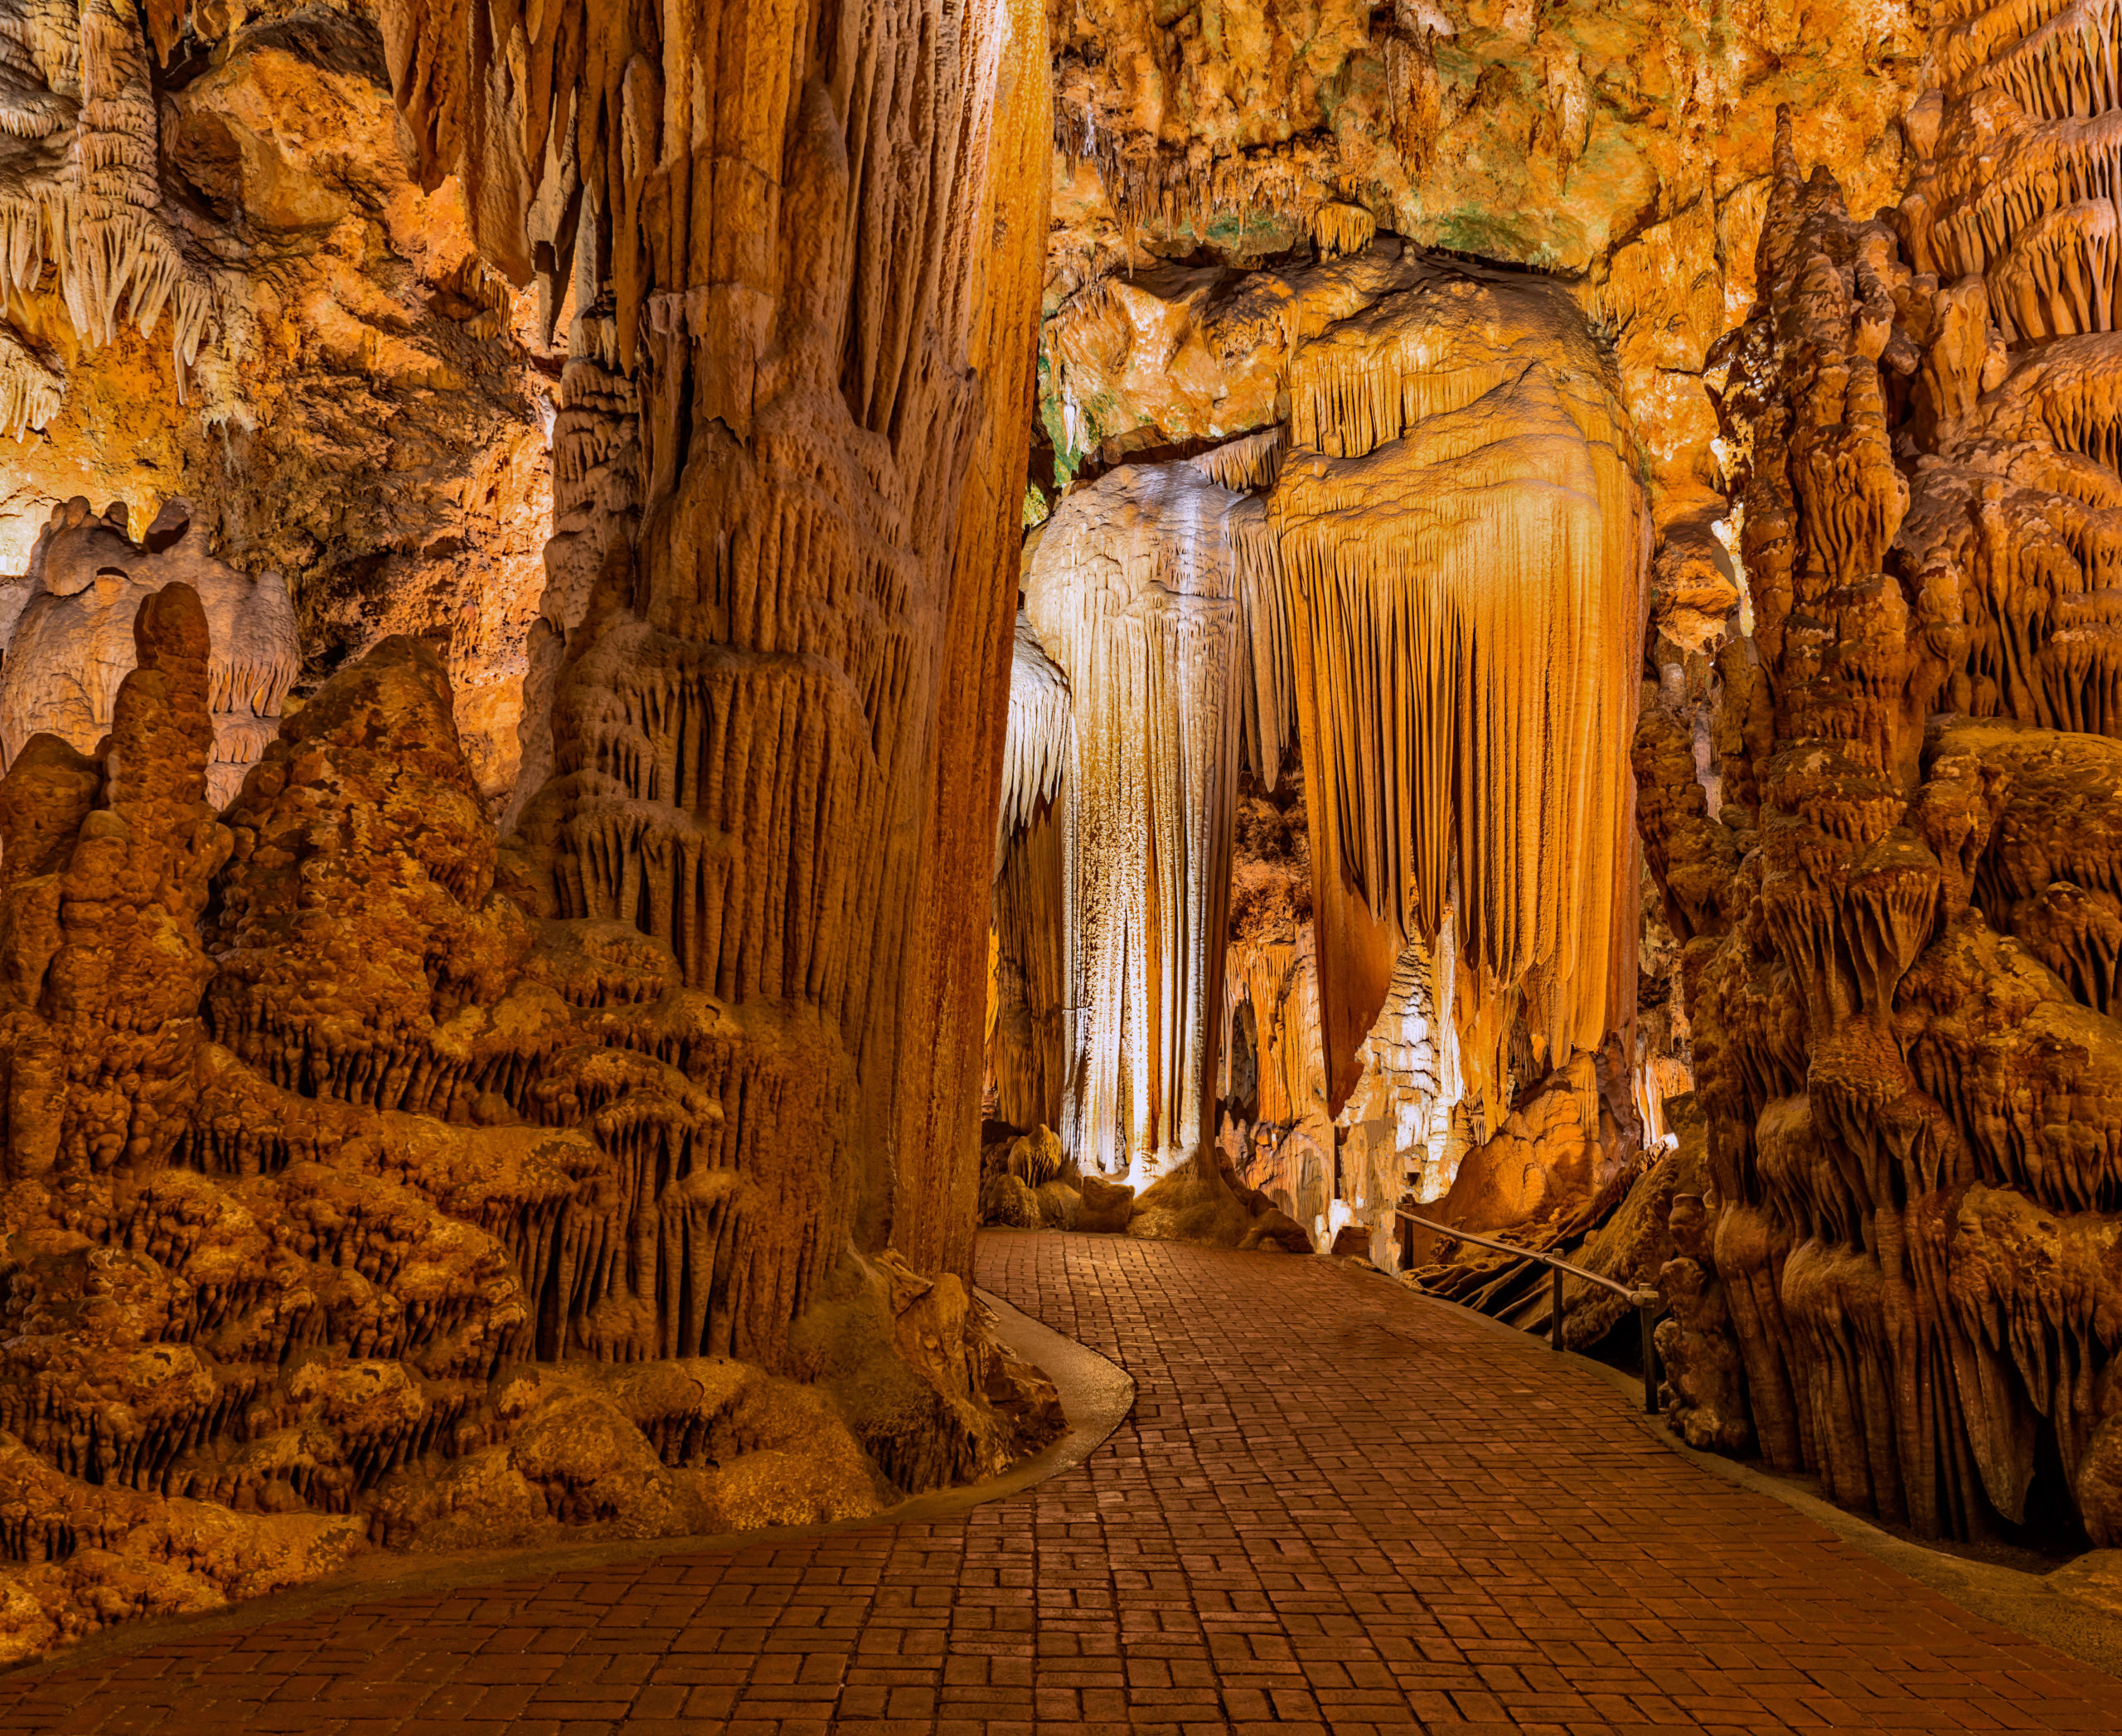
{"x": 1645, "y": 1303}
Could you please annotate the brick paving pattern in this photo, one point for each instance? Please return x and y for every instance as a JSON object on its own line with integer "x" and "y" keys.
{"x": 1336, "y": 1507}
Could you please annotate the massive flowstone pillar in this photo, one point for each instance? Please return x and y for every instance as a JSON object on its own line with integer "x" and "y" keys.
{"x": 1133, "y": 591}
{"x": 820, "y": 228}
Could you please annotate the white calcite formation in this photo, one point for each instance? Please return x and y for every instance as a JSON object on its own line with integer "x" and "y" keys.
{"x": 71, "y": 645}
{"x": 1133, "y": 591}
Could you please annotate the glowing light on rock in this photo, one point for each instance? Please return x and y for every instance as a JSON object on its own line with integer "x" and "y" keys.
{"x": 1133, "y": 590}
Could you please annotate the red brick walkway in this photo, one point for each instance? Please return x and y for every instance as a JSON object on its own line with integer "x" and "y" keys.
{"x": 1334, "y": 1504}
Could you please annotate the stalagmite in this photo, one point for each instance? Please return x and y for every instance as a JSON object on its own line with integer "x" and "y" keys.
{"x": 71, "y": 645}
{"x": 1900, "y": 923}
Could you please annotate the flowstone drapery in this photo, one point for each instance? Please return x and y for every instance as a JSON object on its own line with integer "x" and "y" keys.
{"x": 1463, "y": 539}
{"x": 1132, "y": 590}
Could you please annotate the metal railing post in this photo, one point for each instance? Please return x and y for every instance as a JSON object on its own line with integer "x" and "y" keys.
{"x": 1646, "y": 1302}
{"x": 1647, "y": 1313}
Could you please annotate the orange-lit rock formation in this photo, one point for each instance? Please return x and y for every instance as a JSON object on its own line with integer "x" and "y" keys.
{"x": 1425, "y": 591}
{"x": 71, "y": 644}
{"x": 332, "y": 378}
{"x": 379, "y": 1211}
{"x": 1626, "y": 147}
{"x": 1895, "y": 920}
{"x": 372, "y": 1180}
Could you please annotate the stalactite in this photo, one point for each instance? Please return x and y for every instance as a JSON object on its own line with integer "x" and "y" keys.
{"x": 1249, "y": 461}
{"x": 1035, "y": 756}
{"x": 1342, "y": 229}
{"x": 1275, "y": 984}
{"x": 1028, "y": 1047}
{"x": 32, "y": 389}
{"x": 1133, "y": 591}
{"x": 1027, "y": 1039}
{"x": 1267, "y": 690}
{"x": 85, "y": 199}
{"x": 1462, "y": 538}
{"x": 596, "y": 445}
{"x": 1411, "y": 81}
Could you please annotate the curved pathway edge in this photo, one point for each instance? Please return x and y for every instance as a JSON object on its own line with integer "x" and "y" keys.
{"x": 1095, "y": 1396}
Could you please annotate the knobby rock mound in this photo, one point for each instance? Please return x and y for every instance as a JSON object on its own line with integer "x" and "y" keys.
{"x": 352, "y": 1202}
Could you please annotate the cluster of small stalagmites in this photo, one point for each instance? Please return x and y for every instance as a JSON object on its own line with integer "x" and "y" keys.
{"x": 69, "y": 642}
{"x": 348, "y": 1203}
{"x": 1028, "y": 1181}
{"x": 1898, "y": 922}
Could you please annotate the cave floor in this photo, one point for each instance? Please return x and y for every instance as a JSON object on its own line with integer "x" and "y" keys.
{"x": 1335, "y": 1505}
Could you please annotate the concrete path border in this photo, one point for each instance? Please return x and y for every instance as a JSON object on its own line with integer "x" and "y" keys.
{"x": 1095, "y": 1396}
{"x": 2023, "y": 1601}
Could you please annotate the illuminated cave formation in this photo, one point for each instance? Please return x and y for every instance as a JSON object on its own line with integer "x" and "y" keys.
{"x": 373, "y": 1180}
{"x": 1899, "y": 923}
{"x": 735, "y": 637}
{"x": 1133, "y": 590}
{"x": 1427, "y": 594}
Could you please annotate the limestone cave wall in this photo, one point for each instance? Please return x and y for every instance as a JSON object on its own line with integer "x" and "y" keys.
{"x": 1895, "y": 911}
{"x": 223, "y": 286}
{"x": 732, "y": 637}
{"x": 373, "y": 1178}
